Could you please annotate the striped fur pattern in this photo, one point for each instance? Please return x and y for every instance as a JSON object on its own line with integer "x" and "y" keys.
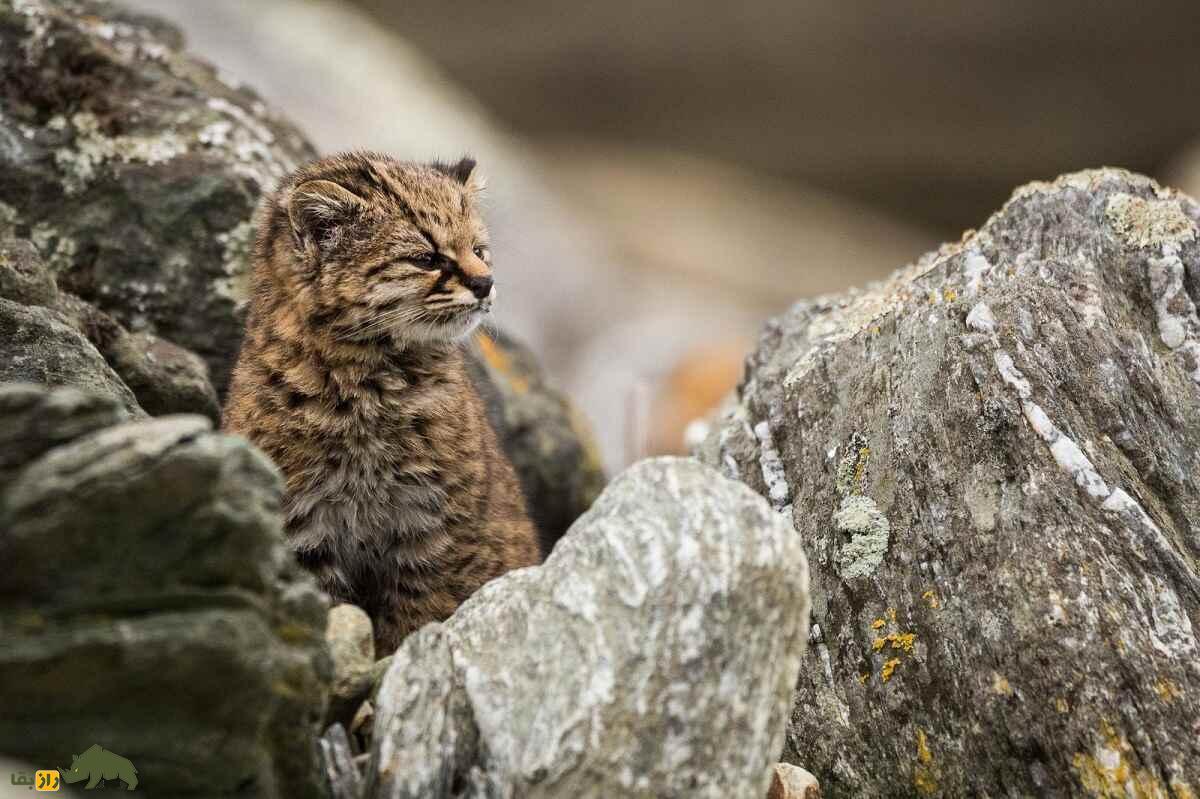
{"x": 368, "y": 272}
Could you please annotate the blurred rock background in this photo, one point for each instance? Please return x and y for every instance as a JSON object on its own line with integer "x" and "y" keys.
{"x": 664, "y": 177}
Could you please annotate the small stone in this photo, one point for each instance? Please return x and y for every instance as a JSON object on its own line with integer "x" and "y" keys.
{"x": 792, "y": 782}
{"x": 351, "y": 644}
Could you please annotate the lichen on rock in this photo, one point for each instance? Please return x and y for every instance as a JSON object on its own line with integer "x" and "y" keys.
{"x": 1021, "y": 408}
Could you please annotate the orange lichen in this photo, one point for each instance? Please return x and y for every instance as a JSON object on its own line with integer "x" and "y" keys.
{"x": 931, "y": 599}
{"x": 1168, "y": 690}
{"x": 888, "y": 668}
{"x": 875, "y": 625}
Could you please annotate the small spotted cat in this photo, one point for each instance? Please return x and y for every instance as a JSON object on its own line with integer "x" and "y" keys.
{"x": 368, "y": 273}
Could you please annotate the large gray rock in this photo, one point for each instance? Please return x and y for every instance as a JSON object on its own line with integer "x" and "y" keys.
{"x": 134, "y": 168}
{"x": 150, "y": 603}
{"x": 993, "y": 461}
{"x": 652, "y": 655}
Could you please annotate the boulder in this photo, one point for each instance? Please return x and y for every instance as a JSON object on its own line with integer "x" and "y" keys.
{"x": 134, "y": 168}
{"x": 151, "y": 374}
{"x": 993, "y": 462}
{"x": 653, "y": 654}
{"x": 150, "y": 605}
{"x": 40, "y": 345}
{"x": 549, "y": 443}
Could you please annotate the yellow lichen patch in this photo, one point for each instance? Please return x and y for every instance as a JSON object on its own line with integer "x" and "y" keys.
{"x": 891, "y": 612}
{"x": 1061, "y": 705}
{"x": 1107, "y": 772}
{"x": 863, "y": 677}
{"x": 1000, "y": 684}
{"x": 931, "y": 599}
{"x": 897, "y": 640}
{"x": 500, "y": 361}
{"x": 1168, "y": 690}
{"x": 949, "y": 295}
{"x": 1182, "y": 789}
{"x": 860, "y": 468}
{"x": 923, "y": 777}
{"x": 875, "y": 625}
{"x": 888, "y": 668}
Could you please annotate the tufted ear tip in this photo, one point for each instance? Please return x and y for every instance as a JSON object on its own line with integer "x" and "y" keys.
{"x": 460, "y": 171}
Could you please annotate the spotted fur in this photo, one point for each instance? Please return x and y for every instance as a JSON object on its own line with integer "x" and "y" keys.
{"x": 368, "y": 272}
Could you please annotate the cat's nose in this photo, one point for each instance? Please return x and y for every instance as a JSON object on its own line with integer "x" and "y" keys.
{"x": 480, "y": 286}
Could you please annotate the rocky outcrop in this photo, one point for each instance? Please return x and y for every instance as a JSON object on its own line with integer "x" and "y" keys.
{"x": 134, "y": 168}
{"x": 652, "y": 655}
{"x": 150, "y": 604}
{"x": 993, "y": 462}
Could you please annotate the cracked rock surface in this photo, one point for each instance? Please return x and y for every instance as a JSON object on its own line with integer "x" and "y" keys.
{"x": 652, "y": 655}
{"x": 993, "y": 462}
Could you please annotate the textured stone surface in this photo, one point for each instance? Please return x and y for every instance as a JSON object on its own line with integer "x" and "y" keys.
{"x": 134, "y": 168}
{"x": 164, "y": 377}
{"x": 993, "y": 461}
{"x": 150, "y": 603}
{"x": 652, "y": 655}
{"x": 39, "y": 345}
{"x": 548, "y": 442}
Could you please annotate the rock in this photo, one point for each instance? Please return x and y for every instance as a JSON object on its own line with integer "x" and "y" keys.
{"x": 342, "y": 775}
{"x": 39, "y": 345}
{"x": 151, "y": 604}
{"x": 352, "y": 646}
{"x": 134, "y": 168}
{"x": 993, "y": 461}
{"x": 792, "y": 782}
{"x": 23, "y": 277}
{"x": 545, "y": 437}
{"x": 653, "y": 654}
{"x": 146, "y": 372}
{"x": 165, "y": 378}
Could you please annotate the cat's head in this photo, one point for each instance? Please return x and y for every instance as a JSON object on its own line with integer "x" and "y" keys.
{"x": 375, "y": 247}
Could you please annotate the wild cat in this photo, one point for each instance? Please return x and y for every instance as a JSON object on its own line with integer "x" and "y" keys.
{"x": 368, "y": 272}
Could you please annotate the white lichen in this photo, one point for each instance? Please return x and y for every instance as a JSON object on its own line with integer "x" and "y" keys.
{"x": 772, "y": 468}
{"x": 975, "y": 267}
{"x": 1178, "y": 322}
{"x": 90, "y": 149}
{"x": 1149, "y": 223}
{"x": 980, "y": 319}
{"x": 859, "y": 517}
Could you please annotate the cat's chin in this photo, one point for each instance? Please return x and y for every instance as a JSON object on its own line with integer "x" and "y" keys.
{"x": 442, "y": 332}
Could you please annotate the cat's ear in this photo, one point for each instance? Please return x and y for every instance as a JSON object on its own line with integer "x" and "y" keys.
{"x": 317, "y": 208}
{"x": 461, "y": 171}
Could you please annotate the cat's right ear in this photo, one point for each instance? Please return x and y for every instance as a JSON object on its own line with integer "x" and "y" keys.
{"x": 317, "y": 208}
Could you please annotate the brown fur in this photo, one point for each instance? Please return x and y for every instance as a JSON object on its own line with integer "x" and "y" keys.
{"x": 351, "y": 378}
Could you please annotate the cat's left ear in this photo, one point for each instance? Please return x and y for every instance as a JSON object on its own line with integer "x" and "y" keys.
{"x": 463, "y": 171}
{"x": 317, "y": 208}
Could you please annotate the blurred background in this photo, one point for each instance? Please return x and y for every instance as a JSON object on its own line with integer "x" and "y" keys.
{"x": 664, "y": 176}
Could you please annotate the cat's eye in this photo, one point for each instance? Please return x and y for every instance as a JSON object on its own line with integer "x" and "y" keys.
{"x": 425, "y": 260}
{"x": 481, "y": 252}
